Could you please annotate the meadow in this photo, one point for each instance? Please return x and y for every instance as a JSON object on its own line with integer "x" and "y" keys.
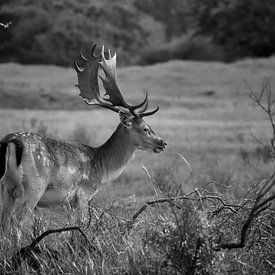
{"x": 216, "y": 137}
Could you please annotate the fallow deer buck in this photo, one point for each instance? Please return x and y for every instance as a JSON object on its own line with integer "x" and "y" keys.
{"x": 37, "y": 171}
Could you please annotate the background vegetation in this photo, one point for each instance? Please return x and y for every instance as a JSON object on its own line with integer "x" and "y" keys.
{"x": 146, "y": 31}
{"x": 204, "y": 205}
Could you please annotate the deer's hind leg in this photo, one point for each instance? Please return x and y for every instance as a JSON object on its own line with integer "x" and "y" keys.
{"x": 11, "y": 186}
{"x": 34, "y": 188}
{"x": 20, "y": 191}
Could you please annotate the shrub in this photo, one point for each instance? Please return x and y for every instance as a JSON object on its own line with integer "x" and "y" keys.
{"x": 187, "y": 47}
{"x": 244, "y": 27}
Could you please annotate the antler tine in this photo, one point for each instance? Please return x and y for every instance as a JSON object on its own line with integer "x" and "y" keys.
{"x": 93, "y": 51}
{"x": 142, "y": 112}
{"x": 148, "y": 113}
{"x": 77, "y": 68}
{"x": 145, "y": 100}
{"x": 145, "y": 104}
{"x": 102, "y": 104}
{"x": 83, "y": 57}
{"x": 110, "y": 83}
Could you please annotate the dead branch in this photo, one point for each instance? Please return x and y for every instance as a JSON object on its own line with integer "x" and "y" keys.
{"x": 263, "y": 200}
{"x": 267, "y": 107}
{"x": 171, "y": 200}
{"x": 29, "y": 252}
{"x": 150, "y": 203}
{"x": 256, "y": 210}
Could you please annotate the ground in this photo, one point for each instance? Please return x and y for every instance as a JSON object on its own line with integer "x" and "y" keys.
{"x": 216, "y": 137}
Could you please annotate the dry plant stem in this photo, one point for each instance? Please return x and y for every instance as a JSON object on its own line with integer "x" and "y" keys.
{"x": 58, "y": 230}
{"x": 267, "y": 108}
{"x": 180, "y": 156}
{"x": 257, "y": 208}
{"x": 171, "y": 200}
{"x": 150, "y": 203}
{"x": 195, "y": 259}
{"x": 270, "y": 263}
{"x": 244, "y": 232}
{"x": 28, "y": 252}
{"x": 98, "y": 219}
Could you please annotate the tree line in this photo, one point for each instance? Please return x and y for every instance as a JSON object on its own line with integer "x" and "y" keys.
{"x": 146, "y": 31}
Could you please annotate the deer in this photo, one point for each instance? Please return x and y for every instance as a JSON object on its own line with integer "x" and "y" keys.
{"x": 37, "y": 171}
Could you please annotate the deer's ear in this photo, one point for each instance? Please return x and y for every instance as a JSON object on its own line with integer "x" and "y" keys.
{"x": 125, "y": 119}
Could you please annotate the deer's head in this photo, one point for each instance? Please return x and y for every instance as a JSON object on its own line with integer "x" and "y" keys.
{"x": 131, "y": 116}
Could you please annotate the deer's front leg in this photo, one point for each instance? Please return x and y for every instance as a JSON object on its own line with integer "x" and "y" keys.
{"x": 84, "y": 195}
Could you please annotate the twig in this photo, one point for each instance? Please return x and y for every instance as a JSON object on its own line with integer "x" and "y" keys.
{"x": 270, "y": 263}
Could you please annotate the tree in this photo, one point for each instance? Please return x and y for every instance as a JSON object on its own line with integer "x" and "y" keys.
{"x": 53, "y": 32}
{"x": 173, "y": 14}
{"x": 244, "y": 27}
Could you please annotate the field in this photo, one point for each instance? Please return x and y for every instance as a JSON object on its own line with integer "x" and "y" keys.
{"x": 215, "y": 133}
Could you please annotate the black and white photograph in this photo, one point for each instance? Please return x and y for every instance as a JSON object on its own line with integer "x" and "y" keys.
{"x": 137, "y": 137}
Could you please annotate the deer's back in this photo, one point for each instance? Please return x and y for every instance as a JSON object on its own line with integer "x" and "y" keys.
{"x": 57, "y": 163}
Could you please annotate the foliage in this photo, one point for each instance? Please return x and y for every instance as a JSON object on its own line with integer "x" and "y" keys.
{"x": 174, "y": 15}
{"x": 186, "y": 47}
{"x": 54, "y": 32}
{"x": 243, "y": 27}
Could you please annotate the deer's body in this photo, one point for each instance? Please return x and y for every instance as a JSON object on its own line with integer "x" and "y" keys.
{"x": 53, "y": 172}
{"x": 36, "y": 171}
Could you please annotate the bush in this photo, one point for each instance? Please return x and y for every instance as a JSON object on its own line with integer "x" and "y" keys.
{"x": 187, "y": 47}
{"x": 243, "y": 27}
{"x": 76, "y": 26}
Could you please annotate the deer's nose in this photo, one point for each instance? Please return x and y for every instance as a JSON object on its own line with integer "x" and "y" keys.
{"x": 163, "y": 143}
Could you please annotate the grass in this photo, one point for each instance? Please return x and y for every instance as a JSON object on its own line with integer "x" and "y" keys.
{"x": 205, "y": 115}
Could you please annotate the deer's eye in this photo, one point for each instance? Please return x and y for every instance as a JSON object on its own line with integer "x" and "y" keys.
{"x": 147, "y": 131}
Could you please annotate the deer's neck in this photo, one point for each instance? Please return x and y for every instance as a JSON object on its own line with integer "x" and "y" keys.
{"x": 115, "y": 153}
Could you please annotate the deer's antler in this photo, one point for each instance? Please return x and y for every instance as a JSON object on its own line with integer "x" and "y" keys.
{"x": 89, "y": 88}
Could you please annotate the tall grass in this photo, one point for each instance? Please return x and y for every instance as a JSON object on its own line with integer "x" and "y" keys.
{"x": 176, "y": 236}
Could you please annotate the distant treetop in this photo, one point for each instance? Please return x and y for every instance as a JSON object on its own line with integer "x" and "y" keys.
{"x": 147, "y": 31}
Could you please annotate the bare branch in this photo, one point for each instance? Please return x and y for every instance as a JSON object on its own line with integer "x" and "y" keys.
{"x": 28, "y": 252}
{"x": 153, "y": 202}
{"x": 200, "y": 198}
{"x": 262, "y": 201}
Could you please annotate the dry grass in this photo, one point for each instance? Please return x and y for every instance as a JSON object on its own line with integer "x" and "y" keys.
{"x": 205, "y": 112}
{"x": 205, "y": 115}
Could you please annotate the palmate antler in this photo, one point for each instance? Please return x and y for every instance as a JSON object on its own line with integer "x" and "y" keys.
{"x": 89, "y": 88}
